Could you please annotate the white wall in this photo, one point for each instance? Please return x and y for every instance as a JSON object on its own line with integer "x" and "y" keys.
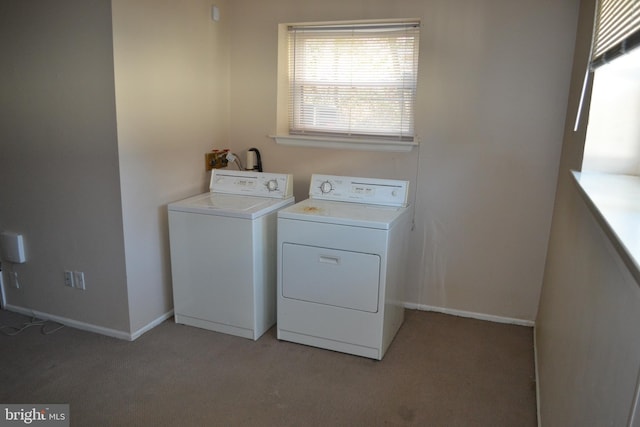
{"x": 493, "y": 85}
{"x": 104, "y": 121}
{"x": 58, "y": 158}
{"x": 588, "y": 352}
{"x": 91, "y": 195}
{"x": 171, "y": 74}
{"x": 586, "y": 332}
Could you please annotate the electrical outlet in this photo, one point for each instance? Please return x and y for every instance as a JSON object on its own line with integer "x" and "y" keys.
{"x": 68, "y": 278}
{"x": 78, "y": 279}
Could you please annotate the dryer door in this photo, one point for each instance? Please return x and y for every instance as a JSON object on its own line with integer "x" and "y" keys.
{"x": 332, "y": 277}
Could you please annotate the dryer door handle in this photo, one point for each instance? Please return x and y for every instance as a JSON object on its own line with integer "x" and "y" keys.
{"x": 326, "y": 259}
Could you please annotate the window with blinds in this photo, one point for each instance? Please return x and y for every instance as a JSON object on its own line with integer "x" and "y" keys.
{"x": 612, "y": 141}
{"x": 617, "y": 30}
{"x": 356, "y": 80}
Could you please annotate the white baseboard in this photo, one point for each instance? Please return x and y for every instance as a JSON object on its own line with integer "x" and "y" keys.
{"x": 535, "y": 367}
{"x": 470, "y": 314}
{"x": 151, "y": 325}
{"x": 114, "y": 333}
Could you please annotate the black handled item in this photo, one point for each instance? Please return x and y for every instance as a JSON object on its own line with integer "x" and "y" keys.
{"x": 258, "y": 159}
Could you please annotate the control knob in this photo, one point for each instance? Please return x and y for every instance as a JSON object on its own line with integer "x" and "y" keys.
{"x": 326, "y": 187}
{"x": 272, "y": 185}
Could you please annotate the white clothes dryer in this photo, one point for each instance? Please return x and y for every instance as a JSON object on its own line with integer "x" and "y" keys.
{"x": 223, "y": 252}
{"x": 342, "y": 258}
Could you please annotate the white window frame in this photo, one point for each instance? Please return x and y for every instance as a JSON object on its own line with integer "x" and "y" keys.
{"x": 610, "y": 174}
{"x": 340, "y": 138}
{"x": 612, "y": 142}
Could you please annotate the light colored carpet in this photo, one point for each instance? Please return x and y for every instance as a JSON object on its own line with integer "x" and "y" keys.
{"x": 439, "y": 371}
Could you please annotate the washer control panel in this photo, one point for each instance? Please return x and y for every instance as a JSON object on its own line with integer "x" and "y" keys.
{"x": 388, "y": 192}
{"x": 250, "y": 183}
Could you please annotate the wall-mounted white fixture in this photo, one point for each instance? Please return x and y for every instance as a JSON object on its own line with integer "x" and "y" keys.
{"x": 12, "y": 247}
{"x": 215, "y": 13}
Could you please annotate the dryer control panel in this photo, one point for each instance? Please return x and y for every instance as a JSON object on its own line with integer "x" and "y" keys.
{"x": 251, "y": 183}
{"x": 387, "y": 192}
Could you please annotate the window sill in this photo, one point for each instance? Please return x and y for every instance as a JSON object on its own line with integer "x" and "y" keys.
{"x": 615, "y": 202}
{"x": 345, "y": 143}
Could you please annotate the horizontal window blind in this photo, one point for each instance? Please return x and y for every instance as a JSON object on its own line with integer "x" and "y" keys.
{"x": 617, "y": 30}
{"x": 353, "y": 80}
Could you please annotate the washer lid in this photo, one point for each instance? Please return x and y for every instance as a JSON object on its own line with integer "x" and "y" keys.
{"x": 344, "y": 213}
{"x": 232, "y": 205}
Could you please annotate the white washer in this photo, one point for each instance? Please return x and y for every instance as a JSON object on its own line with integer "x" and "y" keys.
{"x": 223, "y": 252}
{"x": 342, "y": 265}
